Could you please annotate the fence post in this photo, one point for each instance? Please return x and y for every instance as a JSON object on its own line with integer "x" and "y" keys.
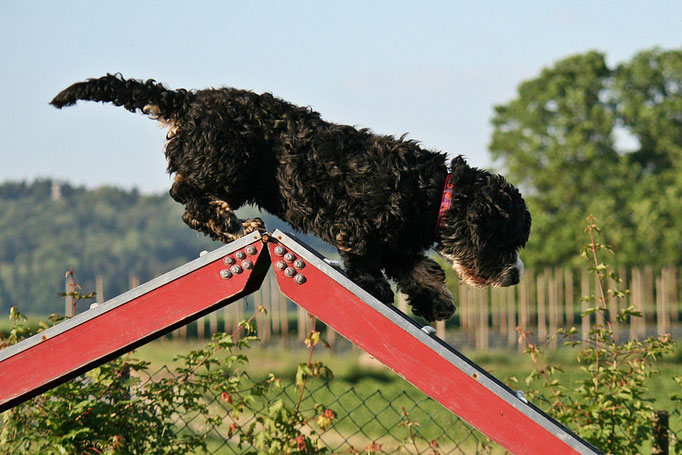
{"x": 265, "y": 303}
{"x": 634, "y": 301}
{"x": 69, "y": 287}
{"x": 494, "y": 309}
{"x": 569, "y": 303}
{"x": 183, "y": 333}
{"x": 440, "y": 330}
{"x": 585, "y": 292}
{"x": 503, "y": 296}
{"x": 257, "y": 303}
{"x": 649, "y": 284}
{"x": 553, "y": 307}
{"x": 301, "y": 324}
{"x": 274, "y": 303}
{"x": 660, "y": 432}
{"x": 559, "y": 280}
{"x": 470, "y": 303}
{"x": 623, "y": 286}
{"x": 99, "y": 289}
{"x": 674, "y": 304}
{"x": 201, "y": 328}
{"x": 613, "y": 307}
{"x": 511, "y": 316}
{"x": 212, "y": 323}
{"x": 599, "y": 315}
{"x": 523, "y": 303}
{"x": 662, "y": 314}
{"x": 231, "y": 313}
{"x": 542, "y": 319}
{"x": 284, "y": 320}
{"x": 402, "y": 302}
{"x": 240, "y": 312}
{"x": 482, "y": 338}
{"x": 462, "y": 294}
{"x": 331, "y": 338}
{"x": 227, "y": 319}
{"x": 640, "y": 303}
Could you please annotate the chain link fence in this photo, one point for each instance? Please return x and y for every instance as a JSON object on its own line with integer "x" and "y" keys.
{"x": 366, "y": 421}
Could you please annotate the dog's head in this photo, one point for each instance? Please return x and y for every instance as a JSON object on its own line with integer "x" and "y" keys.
{"x": 483, "y": 230}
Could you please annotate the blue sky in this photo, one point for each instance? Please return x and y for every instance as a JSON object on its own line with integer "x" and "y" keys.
{"x": 433, "y": 69}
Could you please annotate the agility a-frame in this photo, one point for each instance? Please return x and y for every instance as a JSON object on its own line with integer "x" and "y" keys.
{"x": 237, "y": 269}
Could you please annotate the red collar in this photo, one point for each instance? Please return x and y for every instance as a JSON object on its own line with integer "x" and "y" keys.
{"x": 446, "y": 201}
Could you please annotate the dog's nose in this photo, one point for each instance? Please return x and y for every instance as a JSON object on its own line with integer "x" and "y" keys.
{"x": 512, "y": 277}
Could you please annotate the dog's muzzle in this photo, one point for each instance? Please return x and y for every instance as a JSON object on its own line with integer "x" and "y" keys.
{"x": 510, "y": 278}
{"x": 512, "y": 275}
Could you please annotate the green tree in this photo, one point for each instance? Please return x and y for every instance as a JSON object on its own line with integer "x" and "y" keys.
{"x": 559, "y": 140}
{"x": 648, "y": 103}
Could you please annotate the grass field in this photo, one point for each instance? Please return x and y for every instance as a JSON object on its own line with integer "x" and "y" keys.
{"x": 352, "y": 366}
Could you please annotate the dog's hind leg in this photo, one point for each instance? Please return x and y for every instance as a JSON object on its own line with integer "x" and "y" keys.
{"x": 423, "y": 281}
{"x": 366, "y": 273}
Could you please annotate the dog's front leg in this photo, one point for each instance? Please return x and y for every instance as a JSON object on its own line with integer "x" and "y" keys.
{"x": 216, "y": 219}
{"x": 423, "y": 281}
{"x": 365, "y": 271}
{"x": 214, "y": 216}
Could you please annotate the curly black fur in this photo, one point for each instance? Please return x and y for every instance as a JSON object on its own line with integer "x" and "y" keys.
{"x": 376, "y": 198}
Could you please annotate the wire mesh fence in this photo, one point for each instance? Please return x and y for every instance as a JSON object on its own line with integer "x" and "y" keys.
{"x": 365, "y": 421}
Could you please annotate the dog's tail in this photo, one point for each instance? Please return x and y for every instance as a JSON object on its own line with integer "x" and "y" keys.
{"x": 148, "y": 96}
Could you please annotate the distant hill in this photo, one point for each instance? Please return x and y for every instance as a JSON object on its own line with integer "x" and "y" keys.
{"x": 47, "y": 227}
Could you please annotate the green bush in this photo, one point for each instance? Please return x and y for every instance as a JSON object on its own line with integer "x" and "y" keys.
{"x": 110, "y": 410}
{"x": 609, "y": 405}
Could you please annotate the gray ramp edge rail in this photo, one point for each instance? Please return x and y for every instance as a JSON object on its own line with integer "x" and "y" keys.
{"x": 126, "y": 297}
{"x": 445, "y": 350}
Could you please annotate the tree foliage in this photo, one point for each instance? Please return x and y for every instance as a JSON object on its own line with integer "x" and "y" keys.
{"x": 582, "y": 138}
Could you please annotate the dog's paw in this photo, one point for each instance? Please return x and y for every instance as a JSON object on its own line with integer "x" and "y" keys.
{"x": 432, "y": 306}
{"x": 252, "y": 225}
{"x": 343, "y": 243}
{"x": 443, "y": 310}
{"x": 380, "y": 289}
{"x": 383, "y": 292}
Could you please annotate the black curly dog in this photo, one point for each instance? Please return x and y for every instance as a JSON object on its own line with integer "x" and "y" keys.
{"x": 378, "y": 199}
